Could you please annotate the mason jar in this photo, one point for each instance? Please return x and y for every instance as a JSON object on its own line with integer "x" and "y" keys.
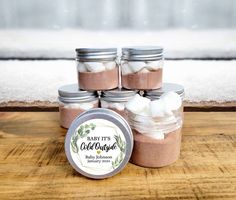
{"x": 141, "y": 67}
{"x": 72, "y": 102}
{"x": 116, "y": 99}
{"x": 157, "y": 138}
{"x": 97, "y": 68}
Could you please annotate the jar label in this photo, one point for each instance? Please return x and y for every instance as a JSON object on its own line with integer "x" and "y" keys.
{"x": 98, "y": 146}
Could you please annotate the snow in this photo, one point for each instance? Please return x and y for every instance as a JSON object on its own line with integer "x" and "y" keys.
{"x": 204, "y": 80}
{"x": 34, "y": 80}
{"x": 178, "y": 43}
{"x": 39, "y": 80}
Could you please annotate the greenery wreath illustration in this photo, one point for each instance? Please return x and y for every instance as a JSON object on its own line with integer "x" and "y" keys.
{"x": 86, "y": 129}
{"x": 121, "y": 145}
{"x": 82, "y": 132}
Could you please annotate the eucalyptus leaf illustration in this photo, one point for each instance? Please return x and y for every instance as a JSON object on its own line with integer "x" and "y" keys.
{"x": 74, "y": 140}
{"x": 82, "y": 132}
{"x": 121, "y": 145}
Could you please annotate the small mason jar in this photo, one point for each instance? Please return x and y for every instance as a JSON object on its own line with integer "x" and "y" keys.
{"x": 157, "y": 139}
{"x": 97, "y": 68}
{"x": 141, "y": 67}
{"x": 72, "y": 102}
{"x": 116, "y": 100}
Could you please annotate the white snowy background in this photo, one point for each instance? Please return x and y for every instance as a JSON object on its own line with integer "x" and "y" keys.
{"x": 39, "y": 80}
{"x": 209, "y": 80}
{"x": 178, "y": 43}
{"x": 204, "y": 29}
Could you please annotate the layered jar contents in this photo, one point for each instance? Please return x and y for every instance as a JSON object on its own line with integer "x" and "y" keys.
{"x": 156, "y": 127}
{"x": 97, "y": 68}
{"x": 72, "y": 102}
{"x": 141, "y": 67}
{"x": 116, "y": 100}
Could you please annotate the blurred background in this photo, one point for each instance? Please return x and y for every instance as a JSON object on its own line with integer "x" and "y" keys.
{"x": 38, "y": 38}
{"x": 187, "y": 29}
{"x": 117, "y": 14}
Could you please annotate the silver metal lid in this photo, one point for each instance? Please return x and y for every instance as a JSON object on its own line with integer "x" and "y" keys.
{"x": 166, "y": 87}
{"x": 88, "y": 54}
{"x": 72, "y": 94}
{"x": 99, "y": 143}
{"x": 142, "y": 53}
{"x": 118, "y": 95}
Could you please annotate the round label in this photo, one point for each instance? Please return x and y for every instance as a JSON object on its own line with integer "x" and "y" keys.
{"x": 98, "y": 146}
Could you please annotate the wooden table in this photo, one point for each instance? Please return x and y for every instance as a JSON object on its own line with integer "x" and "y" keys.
{"x": 33, "y": 163}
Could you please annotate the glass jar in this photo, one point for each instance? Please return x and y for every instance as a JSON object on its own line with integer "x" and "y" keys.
{"x": 97, "y": 68}
{"x": 72, "y": 102}
{"x": 141, "y": 67}
{"x": 157, "y": 138}
{"x": 116, "y": 100}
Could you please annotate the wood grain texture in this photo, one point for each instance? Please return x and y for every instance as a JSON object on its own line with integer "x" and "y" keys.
{"x": 33, "y": 163}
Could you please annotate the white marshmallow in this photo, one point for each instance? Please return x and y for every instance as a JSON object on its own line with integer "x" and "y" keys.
{"x": 144, "y": 70}
{"x": 72, "y": 106}
{"x": 83, "y": 106}
{"x": 138, "y": 104}
{"x": 153, "y": 65}
{"x": 157, "y": 108}
{"x": 172, "y": 100}
{"x": 136, "y": 66}
{"x": 95, "y": 66}
{"x": 142, "y": 122}
{"x": 170, "y": 119}
{"x": 104, "y": 104}
{"x": 110, "y": 65}
{"x": 86, "y": 106}
{"x": 81, "y": 67}
{"x": 167, "y": 110}
{"x": 157, "y": 135}
{"x": 125, "y": 68}
{"x": 118, "y": 106}
{"x": 145, "y": 112}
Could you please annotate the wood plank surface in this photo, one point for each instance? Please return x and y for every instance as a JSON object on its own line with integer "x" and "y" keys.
{"x": 33, "y": 163}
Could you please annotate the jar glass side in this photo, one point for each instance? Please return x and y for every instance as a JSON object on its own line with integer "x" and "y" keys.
{"x": 157, "y": 139}
{"x": 116, "y": 106}
{"x": 142, "y": 75}
{"x": 69, "y": 111}
{"x": 152, "y": 126}
{"x": 98, "y": 75}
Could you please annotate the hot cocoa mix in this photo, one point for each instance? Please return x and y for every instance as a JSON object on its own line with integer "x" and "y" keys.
{"x": 67, "y": 114}
{"x": 142, "y": 81}
{"x": 104, "y": 80}
{"x": 149, "y": 152}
